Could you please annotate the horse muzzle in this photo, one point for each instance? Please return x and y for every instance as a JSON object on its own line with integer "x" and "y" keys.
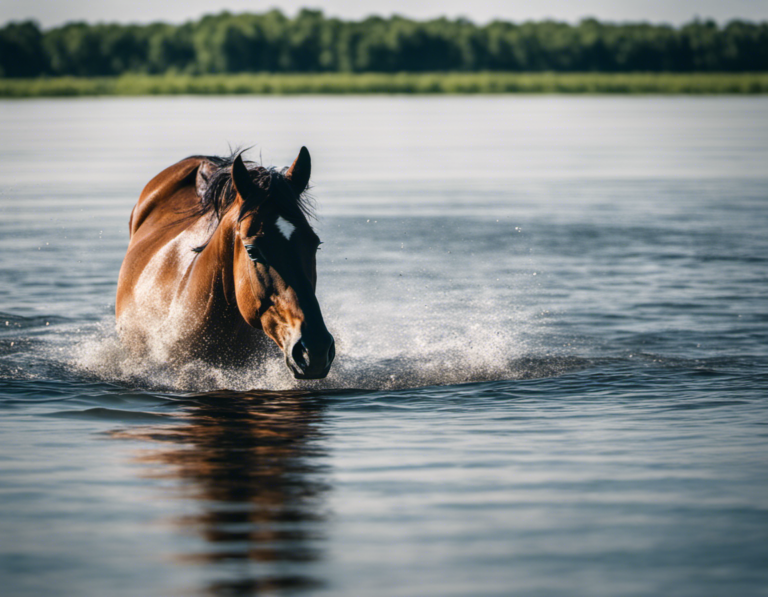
{"x": 310, "y": 357}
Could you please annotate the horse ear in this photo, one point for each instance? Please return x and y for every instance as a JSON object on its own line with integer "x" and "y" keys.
{"x": 244, "y": 186}
{"x": 298, "y": 173}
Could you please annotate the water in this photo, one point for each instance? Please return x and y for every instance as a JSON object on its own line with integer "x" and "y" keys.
{"x": 552, "y": 334}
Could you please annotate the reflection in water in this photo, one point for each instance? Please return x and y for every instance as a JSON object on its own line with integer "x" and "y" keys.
{"x": 255, "y": 465}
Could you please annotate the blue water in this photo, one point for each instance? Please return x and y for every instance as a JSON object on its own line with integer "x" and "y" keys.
{"x": 552, "y": 372}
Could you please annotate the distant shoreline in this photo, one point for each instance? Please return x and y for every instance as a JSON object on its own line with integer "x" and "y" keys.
{"x": 381, "y": 83}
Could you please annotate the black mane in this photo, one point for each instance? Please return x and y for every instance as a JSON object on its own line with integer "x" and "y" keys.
{"x": 220, "y": 192}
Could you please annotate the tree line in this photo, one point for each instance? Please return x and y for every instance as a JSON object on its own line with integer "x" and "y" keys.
{"x": 311, "y": 42}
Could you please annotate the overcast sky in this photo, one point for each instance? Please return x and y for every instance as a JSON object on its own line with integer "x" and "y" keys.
{"x": 55, "y": 12}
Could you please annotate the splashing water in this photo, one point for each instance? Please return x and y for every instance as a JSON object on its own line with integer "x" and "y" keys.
{"x": 400, "y": 351}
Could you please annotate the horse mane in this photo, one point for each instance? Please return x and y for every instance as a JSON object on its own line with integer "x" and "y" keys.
{"x": 220, "y": 193}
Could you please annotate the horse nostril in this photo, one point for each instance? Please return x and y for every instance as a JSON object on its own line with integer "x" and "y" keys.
{"x": 300, "y": 354}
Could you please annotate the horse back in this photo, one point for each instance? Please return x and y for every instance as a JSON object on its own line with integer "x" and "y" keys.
{"x": 168, "y": 194}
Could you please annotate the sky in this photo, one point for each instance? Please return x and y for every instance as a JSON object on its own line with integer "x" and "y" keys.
{"x": 55, "y": 12}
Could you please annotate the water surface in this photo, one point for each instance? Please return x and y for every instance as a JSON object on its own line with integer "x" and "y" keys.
{"x": 551, "y": 376}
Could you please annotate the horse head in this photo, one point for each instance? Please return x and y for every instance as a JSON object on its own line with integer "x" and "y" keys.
{"x": 275, "y": 272}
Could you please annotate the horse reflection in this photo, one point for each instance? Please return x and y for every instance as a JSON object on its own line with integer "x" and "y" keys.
{"x": 255, "y": 464}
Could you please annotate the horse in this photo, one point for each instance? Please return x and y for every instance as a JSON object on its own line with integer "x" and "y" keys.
{"x": 221, "y": 257}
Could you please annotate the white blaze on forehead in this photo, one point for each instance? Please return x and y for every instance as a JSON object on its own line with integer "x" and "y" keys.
{"x": 285, "y": 227}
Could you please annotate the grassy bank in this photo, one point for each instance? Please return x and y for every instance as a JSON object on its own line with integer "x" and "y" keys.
{"x": 411, "y": 83}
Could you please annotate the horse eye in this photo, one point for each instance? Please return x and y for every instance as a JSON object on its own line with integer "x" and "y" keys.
{"x": 254, "y": 254}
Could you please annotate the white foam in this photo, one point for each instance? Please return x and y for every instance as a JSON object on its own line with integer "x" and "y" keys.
{"x": 403, "y": 349}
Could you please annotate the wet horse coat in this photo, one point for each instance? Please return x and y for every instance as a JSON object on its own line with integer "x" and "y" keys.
{"x": 222, "y": 256}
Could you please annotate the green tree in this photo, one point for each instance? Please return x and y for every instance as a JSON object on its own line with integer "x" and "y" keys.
{"x": 21, "y": 51}
{"x": 310, "y": 42}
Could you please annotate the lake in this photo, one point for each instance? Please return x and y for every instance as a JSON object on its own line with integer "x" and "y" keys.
{"x": 551, "y": 319}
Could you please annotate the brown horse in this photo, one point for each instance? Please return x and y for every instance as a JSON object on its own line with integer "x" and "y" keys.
{"x": 221, "y": 253}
